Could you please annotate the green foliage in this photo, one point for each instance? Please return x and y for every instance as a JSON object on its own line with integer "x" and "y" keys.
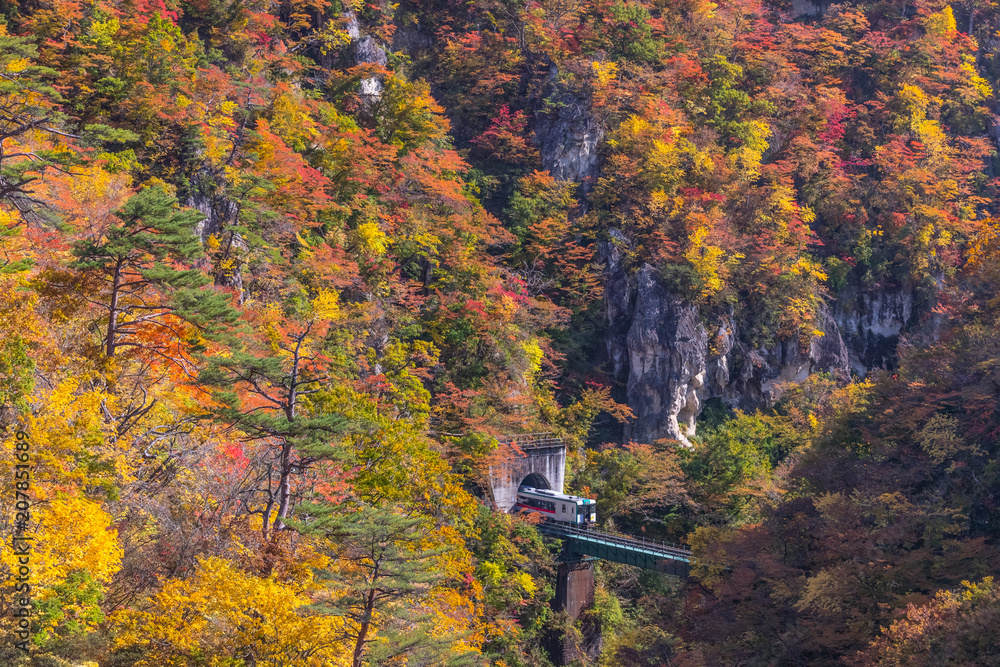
{"x": 72, "y": 608}
{"x": 384, "y": 276}
{"x": 28, "y": 105}
{"x": 732, "y": 464}
{"x": 381, "y": 565}
{"x": 635, "y": 41}
{"x": 516, "y": 567}
{"x": 141, "y": 252}
{"x": 16, "y": 369}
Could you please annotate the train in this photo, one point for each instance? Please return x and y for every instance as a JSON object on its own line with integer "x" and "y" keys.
{"x": 555, "y": 506}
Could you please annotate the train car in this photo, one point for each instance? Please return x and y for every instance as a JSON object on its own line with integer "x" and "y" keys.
{"x": 557, "y": 506}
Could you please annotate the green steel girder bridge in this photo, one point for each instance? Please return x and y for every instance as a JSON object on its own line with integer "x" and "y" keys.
{"x": 647, "y": 554}
{"x": 539, "y": 460}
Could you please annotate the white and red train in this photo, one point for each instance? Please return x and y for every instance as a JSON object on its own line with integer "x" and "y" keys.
{"x": 556, "y": 506}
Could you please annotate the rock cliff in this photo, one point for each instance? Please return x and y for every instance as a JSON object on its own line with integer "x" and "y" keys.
{"x": 220, "y": 213}
{"x": 872, "y": 323}
{"x": 672, "y": 361}
{"x": 667, "y": 351}
{"x": 366, "y": 51}
{"x": 567, "y": 134}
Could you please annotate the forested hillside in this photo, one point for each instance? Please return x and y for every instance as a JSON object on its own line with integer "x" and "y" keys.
{"x": 276, "y": 277}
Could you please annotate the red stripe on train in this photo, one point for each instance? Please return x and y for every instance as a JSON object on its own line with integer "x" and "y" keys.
{"x": 537, "y": 509}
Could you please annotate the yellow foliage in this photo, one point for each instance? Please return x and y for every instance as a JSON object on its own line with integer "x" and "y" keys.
{"x": 746, "y": 159}
{"x": 72, "y": 534}
{"x": 666, "y": 154}
{"x": 534, "y": 355}
{"x": 707, "y": 260}
{"x": 222, "y": 612}
{"x": 605, "y": 73}
{"x": 68, "y": 425}
{"x": 941, "y": 439}
{"x": 928, "y": 131}
{"x": 92, "y": 185}
{"x": 806, "y": 266}
{"x": 104, "y": 32}
{"x": 332, "y": 38}
{"x": 942, "y": 23}
{"x": 704, "y": 10}
{"x": 272, "y": 316}
{"x": 291, "y": 121}
{"x": 931, "y": 135}
{"x": 977, "y": 83}
{"x": 797, "y": 317}
{"x": 454, "y": 615}
{"x": 982, "y": 248}
{"x": 16, "y": 66}
{"x": 326, "y": 306}
{"x": 9, "y": 218}
{"x": 370, "y": 239}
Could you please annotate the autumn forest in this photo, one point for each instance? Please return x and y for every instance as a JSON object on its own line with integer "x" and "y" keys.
{"x": 280, "y": 281}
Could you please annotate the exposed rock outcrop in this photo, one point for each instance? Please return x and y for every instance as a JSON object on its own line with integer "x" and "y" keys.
{"x": 220, "y": 213}
{"x": 667, "y": 353}
{"x": 410, "y": 39}
{"x": 366, "y": 51}
{"x": 619, "y": 303}
{"x": 567, "y": 134}
{"x": 674, "y": 361}
{"x": 872, "y": 322}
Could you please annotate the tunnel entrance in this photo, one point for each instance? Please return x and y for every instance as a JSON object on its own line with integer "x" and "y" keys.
{"x": 536, "y": 481}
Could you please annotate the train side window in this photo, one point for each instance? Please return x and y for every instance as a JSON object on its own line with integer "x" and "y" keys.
{"x": 564, "y": 509}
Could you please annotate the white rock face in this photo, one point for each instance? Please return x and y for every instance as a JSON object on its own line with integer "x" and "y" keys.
{"x": 871, "y": 323}
{"x": 567, "y": 134}
{"x": 661, "y": 344}
{"x": 366, "y": 51}
{"x": 667, "y": 350}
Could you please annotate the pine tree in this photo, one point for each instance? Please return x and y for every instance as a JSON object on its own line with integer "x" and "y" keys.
{"x": 259, "y": 389}
{"x": 136, "y": 260}
{"x": 28, "y": 105}
{"x": 381, "y": 574}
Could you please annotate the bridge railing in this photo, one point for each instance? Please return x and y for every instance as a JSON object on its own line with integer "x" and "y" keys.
{"x": 522, "y": 440}
{"x": 672, "y": 550}
{"x": 530, "y": 440}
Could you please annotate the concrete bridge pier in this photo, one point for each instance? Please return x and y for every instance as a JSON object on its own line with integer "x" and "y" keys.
{"x": 574, "y": 595}
{"x": 575, "y": 587}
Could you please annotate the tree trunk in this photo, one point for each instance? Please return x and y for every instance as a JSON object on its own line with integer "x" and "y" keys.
{"x": 116, "y": 283}
{"x": 359, "y": 645}
{"x": 284, "y": 486}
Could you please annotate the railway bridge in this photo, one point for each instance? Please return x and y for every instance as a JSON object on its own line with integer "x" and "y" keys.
{"x": 539, "y": 460}
{"x": 575, "y": 584}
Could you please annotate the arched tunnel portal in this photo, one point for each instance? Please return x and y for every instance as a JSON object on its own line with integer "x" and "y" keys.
{"x": 535, "y": 481}
{"x": 543, "y": 467}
